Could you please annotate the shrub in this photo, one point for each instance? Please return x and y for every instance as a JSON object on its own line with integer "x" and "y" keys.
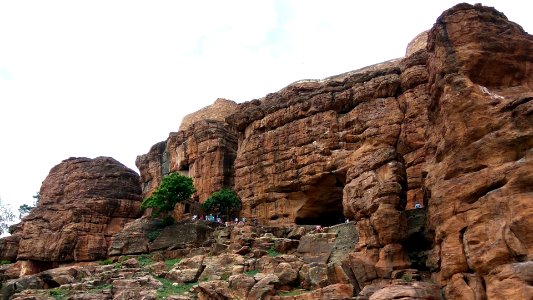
{"x": 120, "y": 262}
{"x": 169, "y": 263}
{"x": 5, "y": 262}
{"x": 106, "y": 261}
{"x": 272, "y": 252}
{"x": 152, "y": 235}
{"x": 174, "y": 188}
{"x": 251, "y": 273}
{"x": 145, "y": 260}
{"x": 223, "y": 201}
{"x": 58, "y": 293}
{"x": 99, "y": 288}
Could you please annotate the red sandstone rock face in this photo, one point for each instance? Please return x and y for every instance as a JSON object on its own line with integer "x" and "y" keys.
{"x": 478, "y": 152}
{"x": 83, "y": 203}
{"x": 205, "y": 152}
{"x": 217, "y": 111}
{"x": 204, "y": 148}
{"x": 449, "y": 126}
{"x": 330, "y": 126}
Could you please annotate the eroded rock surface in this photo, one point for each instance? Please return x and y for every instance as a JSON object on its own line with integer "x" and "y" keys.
{"x": 205, "y": 152}
{"x": 83, "y": 203}
{"x": 479, "y": 157}
{"x": 448, "y": 127}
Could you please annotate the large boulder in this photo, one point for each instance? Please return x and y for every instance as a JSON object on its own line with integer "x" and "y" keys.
{"x": 83, "y": 203}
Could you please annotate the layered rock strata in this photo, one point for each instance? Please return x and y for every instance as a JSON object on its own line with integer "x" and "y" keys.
{"x": 205, "y": 151}
{"x": 217, "y": 111}
{"x": 83, "y": 203}
{"x": 479, "y": 153}
{"x": 448, "y": 127}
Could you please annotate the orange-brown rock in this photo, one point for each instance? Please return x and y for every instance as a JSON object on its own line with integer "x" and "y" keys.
{"x": 83, "y": 203}
{"x": 9, "y": 247}
{"x": 479, "y": 166}
{"x": 411, "y": 291}
{"x": 205, "y": 151}
{"x": 217, "y": 111}
{"x": 449, "y": 127}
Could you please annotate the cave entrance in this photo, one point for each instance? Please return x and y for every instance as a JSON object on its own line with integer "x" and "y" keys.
{"x": 419, "y": 239}
{"x": 323, "y": 204}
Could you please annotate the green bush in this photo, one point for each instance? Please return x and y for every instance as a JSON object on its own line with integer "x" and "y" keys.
{"x": 169, "y": 263}
{"x": 106, "y": 261}
{"x": 223, "y": 201}
{"x": 152, "y": 235}
{"x": 58, "y": 293}
{"x": 174, "y": 188}
{"x": 272, "y": 252}
{"x": 145, "y": 260}
{"x": 5, "y": 262}
{"x": 251, "y": 273}
{"x": 100, "y": 288}
{"x": 121, "y": 261}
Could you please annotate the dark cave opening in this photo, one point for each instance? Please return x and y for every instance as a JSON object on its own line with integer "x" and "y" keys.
{"x": 420, "y": 238}
{"x": 49, "y": 282}
{"x": 323, "y": 205}
{"x": 416, "y": 247}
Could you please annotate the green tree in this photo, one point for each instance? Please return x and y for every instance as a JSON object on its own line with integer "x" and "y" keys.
{"x": 25, "y": 209}
{"x": 37, "y": 198}
{"x": 223, "y": 201}
{"x": 174, "y": 188}
{"x": 6, "y": 216}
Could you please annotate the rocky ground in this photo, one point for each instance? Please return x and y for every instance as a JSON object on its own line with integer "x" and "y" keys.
{"x": 236, "y": 262}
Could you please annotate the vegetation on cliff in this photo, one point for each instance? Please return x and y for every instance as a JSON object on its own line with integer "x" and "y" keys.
{"x": 224, "y": 201}
{"x": 6, "y": 216}
{"x": 174, "y": 188}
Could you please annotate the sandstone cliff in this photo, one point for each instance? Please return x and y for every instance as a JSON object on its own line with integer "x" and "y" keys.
{"x": 479, "y": 145}
{"x": 449, "y": 126}
{"x": 83, "y": 203}
{"x": 217, "y": 111}
{"x": 205, "y": 151}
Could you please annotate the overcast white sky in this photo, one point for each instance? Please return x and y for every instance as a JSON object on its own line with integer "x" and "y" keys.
{"x": 91, "y": 78}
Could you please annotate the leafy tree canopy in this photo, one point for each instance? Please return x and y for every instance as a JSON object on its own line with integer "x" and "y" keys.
{"x": 223, "y": 201}
{"x": 25, "y": 209}
{"x": 6, "y": 216}
{"x": 174, "y": 188}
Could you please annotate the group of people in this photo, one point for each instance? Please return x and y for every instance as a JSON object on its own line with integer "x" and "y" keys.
{"x": 209, "y": 217}
{"x": 212, "y": 218}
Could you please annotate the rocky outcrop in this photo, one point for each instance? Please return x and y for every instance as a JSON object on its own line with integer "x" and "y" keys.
{"x": 479, "y": 162}
{"x": 205, "y": 152}
{"x": 217, "y": 111}
{"x": 83, "y": 203}
{"x": 328, "y": 121}
{"x": 448, "y": 127}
